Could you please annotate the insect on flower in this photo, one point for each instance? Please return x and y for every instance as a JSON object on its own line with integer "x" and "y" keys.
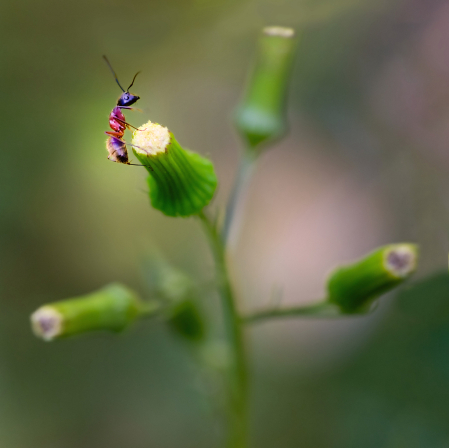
{"x": 115, "y": 144}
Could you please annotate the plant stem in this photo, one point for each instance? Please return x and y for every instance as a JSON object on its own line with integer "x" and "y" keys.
{"x": 321, "y": 309}
{"x": 234, "y": 210}
{"x": 237, "y": 377}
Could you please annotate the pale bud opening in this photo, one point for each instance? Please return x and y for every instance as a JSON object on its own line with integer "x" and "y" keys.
{"x": 151, "y": 139}
{"x": 279, "y": 31}
{"x": 46, "y": 323}
{"x": 400, "y": 260}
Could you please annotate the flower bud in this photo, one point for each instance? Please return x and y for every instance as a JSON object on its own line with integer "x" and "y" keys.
{"x": 111, "y": 308}
{"x": 181, "y": 182}
{"x": 261, "y": 115}
{"x": 185, "y": 318}
{"x": 355, "y": 286}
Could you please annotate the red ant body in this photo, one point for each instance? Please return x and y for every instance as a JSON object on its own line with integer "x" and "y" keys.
{"x": 115, "y": 144}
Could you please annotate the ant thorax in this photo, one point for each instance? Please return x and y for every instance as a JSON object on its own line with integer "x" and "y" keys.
{"x": 117, "y": 120}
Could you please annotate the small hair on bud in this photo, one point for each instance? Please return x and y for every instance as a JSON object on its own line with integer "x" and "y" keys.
{"x": 400, "y": 260}
{"x": 47, "y": 323}
{"x": 279, "y": 31}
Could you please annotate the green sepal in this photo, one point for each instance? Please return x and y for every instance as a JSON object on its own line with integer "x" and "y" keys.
{"x": 261, "y": 115}
{"x": 181, "y": 182}
{"x": 111, "y": 308}
{"x": 354, "y": 287}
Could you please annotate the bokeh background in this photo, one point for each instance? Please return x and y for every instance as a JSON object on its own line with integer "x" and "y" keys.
{"x": 366, "y": 163}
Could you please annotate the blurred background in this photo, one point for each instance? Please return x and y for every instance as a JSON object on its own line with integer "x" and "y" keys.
{"x": 366, "y": 163}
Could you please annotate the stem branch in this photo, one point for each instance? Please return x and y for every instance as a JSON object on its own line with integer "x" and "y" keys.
{"x": 321, "y": 309}
{"x": 234, "y": 210}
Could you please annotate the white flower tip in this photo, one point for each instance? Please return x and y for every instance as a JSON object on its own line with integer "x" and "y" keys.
{"x": 46, "y": 323}
{"x": 279, "y": 31}
{"x": 151, "y": 139}
{"x": 400, "y": 260}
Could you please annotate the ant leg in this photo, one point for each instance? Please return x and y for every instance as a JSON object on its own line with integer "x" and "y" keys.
{"x": 117, "y": 135}
{"x": 114, "y": 135}
{"x": 127, "y": 124}
{"x": 120, "y": 137}
{"x": 132, "y": 164}
{"x": 146, "y": 166}
{"x": 130, "y": 108}
{"x": 138, "y": 147}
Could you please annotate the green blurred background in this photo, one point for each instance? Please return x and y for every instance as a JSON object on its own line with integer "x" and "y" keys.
{"x": 365, "y": 164}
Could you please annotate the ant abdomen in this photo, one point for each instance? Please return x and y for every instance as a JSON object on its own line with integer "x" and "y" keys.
{"x": 117, "y": 150}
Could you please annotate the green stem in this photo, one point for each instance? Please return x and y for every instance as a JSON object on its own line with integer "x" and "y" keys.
{"x": 234, "y": 210}
{"x": 237, "y": 376}
{"x": 321, "y": 309}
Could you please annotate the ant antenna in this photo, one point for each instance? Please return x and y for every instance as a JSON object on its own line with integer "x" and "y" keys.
{"x": 115, "y": 76}
{"x": 133, "y": 81}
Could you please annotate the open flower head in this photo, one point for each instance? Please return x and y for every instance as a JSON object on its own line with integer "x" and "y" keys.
{"x": 181, "y": 182}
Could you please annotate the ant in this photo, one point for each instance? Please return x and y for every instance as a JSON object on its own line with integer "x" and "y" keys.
{"x": 115, "y": 144}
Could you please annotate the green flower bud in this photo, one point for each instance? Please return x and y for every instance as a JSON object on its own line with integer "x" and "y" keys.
{"x": 181, "y": 182}
{"x": 185, "y": 318}
{"x": 111, "y": 308}
{"x": 261, "y": 115}
{"x": 355, "y": 286}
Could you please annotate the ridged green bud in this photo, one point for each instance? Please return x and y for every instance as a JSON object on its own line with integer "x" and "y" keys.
{"x": 261, "y": 115}
{"x": 355, "y": 286}
{"x": 112, "y": 308}
{"x": 181, "y": 182}
{"x": 185, "y": 318}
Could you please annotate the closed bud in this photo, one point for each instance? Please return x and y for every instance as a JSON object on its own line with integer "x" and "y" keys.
{"x": 181, "y": 182}
{"x": 185, "y": 318}
{"x": 353, "y": 287}
{"x": 112, "y": 308}
{"x": 261, "y": 115}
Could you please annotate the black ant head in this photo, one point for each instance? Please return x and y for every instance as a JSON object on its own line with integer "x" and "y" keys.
{"x": 126, "y": 99}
